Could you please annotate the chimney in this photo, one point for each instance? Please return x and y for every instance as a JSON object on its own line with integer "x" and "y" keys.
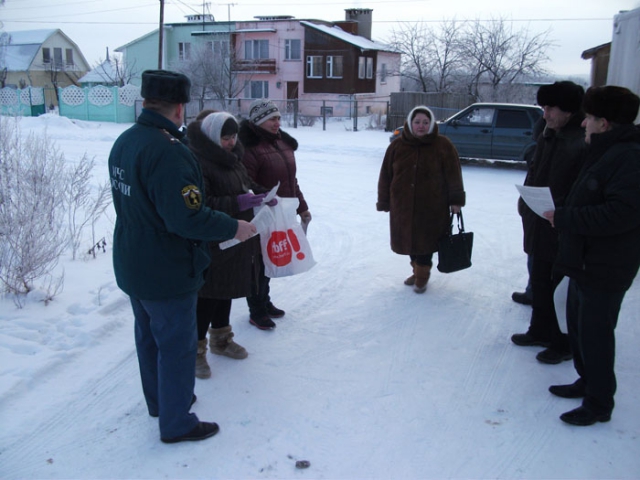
{"x": 363, "y": 18}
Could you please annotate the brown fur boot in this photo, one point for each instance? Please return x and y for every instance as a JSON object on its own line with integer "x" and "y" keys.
{"x": 221, "y": 343}
{"x": 202, "y": 367}
{"x": 423, "y": 272}
{"x": 411, "y": 279}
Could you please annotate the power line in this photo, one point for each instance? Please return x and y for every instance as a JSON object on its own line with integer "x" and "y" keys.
{"x": 84, "y": 22}
{"x": 608, "y": 19}
{"x": 178, "y": 3}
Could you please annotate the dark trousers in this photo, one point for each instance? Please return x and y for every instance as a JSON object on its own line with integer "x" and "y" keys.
{"x": 259, "y": 301}
{"x": 592, "y": 316}
{"x": 165, "y": 333}
{"x": 528, "y": 291}
{"x": 424, "y": 260}
{"x": 544, "y": 322}
{"x": 212, "y": 312}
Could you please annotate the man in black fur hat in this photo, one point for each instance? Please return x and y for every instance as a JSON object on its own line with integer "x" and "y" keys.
{"x": 160, "y": 250}
{"x": 556, "y": 163}
{"x": 599, "y": 250}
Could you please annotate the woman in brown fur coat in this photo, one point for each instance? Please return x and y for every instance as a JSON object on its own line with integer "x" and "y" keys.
{"x": 420, "y": 184}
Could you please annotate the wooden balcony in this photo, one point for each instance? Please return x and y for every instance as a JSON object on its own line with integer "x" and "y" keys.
{"x": 257, "y": 65}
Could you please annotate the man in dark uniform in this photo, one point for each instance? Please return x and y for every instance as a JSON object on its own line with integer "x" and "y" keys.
{"x": 556, "y": 163}
{"x": 599, "y": 227}
{"x": 159, "y": 249}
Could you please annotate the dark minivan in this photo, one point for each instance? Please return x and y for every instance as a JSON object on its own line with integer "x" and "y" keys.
{"x": 500, "y": 131}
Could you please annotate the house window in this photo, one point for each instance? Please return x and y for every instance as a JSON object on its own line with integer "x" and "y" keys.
{"x": 68, "y": 52}
{"x": 46, "y": 55}
{"x": 256, "y": 49}
{"x": 334, "y": 67}
{"x": 314, "y": 66}
{"x": 369, "y": 67}
{"x": 257, "y": 89}
{"x": 383, "y": 73}
{"x": 184, "y": 51}
{"x": 292, "y": 50}
{"x": 57, "y": 57}
{"x": 221, "y": 48}
{"x": 361, "y": 67}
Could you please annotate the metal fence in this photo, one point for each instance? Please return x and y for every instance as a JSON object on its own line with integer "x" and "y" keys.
{"x": 443, "y": 105}
{"x": 363, "y": 113}
{"x": 124, "y": 104}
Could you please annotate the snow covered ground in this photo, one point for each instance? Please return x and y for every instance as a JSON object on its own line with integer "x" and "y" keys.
{"x": 363, "y": 378}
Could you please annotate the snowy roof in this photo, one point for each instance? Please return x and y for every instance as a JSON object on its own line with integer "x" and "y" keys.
{"x": 22, "y": 48}
{"x": 18, "y": 58}
{"x": 103, "y": 73}
{"x": 356, "y": 40}
{"x": 253, "y": 30}
{"x": 30, "y": 37}
{"x": 136, "y": 40}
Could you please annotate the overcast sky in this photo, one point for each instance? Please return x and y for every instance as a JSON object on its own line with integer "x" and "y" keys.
{"x": 94, "y": 25}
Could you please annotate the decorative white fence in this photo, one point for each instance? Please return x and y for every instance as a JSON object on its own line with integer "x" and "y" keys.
{"x": 100, "y": 103}
{"x": 25, "y": 102}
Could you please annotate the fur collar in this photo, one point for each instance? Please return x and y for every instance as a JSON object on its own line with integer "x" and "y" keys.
{"x": 207, "y": 150}
{"x": 251, "y": 136}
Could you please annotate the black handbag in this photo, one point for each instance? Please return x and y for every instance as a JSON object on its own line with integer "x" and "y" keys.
{"x": 454, "y": 250}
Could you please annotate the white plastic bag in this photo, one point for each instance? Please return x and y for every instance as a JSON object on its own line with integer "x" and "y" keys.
{"x": 560, "y": 303}
{"x": 285, "y": 248}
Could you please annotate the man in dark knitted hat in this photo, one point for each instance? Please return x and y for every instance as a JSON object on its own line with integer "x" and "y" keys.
{"x": 556, "y": 162}
{"x": 599, "y": 247}
{"x": 160, "y": 250}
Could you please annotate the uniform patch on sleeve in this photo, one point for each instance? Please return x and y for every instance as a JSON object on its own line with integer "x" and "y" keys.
{"x": 192, "y": 197}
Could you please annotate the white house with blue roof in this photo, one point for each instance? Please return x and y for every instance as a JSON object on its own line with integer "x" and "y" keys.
{"x": 45, "y": 58}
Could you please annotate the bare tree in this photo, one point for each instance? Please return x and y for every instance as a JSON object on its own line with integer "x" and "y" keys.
{"x": 211, "y": 70}
{"x": 123, "y": 71}
{"x": 31, "y": 208}
{"x": 83, "y": 207}
{"x": 500, "y": 55}
{"x": 448, "y": 60}
{"x": 115, "y": 72}
{"x": 432, "y": 58}
{"x": 413, "y": 41}
{"x": 45, "y": 204}
{"x": 458, "y": 56}
{"x": 4, "y": 41}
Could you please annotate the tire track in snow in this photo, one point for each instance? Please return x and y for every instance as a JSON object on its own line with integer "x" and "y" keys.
{"x": 41, "y": 442}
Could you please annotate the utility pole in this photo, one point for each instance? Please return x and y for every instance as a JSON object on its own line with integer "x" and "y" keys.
{"x": 204, "y": 5}
{"x": 161, "y": 34}
{"x": 230, "y": 77}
